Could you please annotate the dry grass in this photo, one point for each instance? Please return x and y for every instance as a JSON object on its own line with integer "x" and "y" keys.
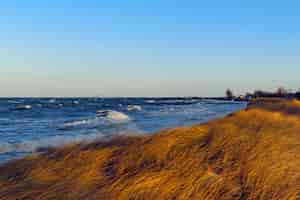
{"x": 252, "y": 154}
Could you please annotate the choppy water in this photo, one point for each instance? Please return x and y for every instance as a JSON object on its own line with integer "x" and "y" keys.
{"x": 30, "y": 124}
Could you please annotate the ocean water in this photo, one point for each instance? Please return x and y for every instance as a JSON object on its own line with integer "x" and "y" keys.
{"x": 28, "y": 125}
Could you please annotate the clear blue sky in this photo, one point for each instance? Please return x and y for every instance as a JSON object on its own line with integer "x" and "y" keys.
{"x": 147, "y": 48}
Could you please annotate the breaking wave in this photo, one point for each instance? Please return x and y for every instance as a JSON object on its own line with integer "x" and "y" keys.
{"x": 79, "y": 123}
{"x": 32, "y": 146}
{"x": 134, "y": 108}
{"x": 150, "y": 101}
{"x": 113, "y": 115}
{"x": 103, "y": 118}
{"x": 23, "y": 107}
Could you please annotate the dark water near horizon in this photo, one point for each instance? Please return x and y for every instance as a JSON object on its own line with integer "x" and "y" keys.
{"x": 30, "y": 124}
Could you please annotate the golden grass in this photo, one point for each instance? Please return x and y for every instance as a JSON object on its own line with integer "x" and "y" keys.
{"x": 252, "y": 154}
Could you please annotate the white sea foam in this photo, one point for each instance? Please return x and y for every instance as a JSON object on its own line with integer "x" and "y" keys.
{"x": 150, "y": 101}
{"x": 31, "y": 146}
{"x": 113, "y": 115}
{"x": 84, "y": 123}
{"x": 23, "y": 107}
{"x": 77, "y": 123}
{"x": 52, "y": 100}
{"x": 103, "y": 118}
{"x": 134, "y": 108}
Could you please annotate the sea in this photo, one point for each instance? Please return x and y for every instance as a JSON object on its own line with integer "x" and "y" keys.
{"x": 29, "y": 125}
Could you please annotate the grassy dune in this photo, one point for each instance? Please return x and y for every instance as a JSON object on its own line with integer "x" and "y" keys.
{"x": 251, "y": 154}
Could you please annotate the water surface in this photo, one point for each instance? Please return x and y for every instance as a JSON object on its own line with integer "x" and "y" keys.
{"x": 30, "y": 124}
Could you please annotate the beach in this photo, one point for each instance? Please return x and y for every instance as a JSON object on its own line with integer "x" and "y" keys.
{"x": 250, "y": 154}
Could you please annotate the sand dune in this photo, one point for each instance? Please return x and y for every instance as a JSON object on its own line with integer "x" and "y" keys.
{"x": 251, "y": 154}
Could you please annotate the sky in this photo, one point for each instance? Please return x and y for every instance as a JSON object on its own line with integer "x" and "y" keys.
{"x": 147, "y": 48}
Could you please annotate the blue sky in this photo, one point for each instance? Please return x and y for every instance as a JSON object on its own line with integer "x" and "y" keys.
{"x": 147, "y": 48}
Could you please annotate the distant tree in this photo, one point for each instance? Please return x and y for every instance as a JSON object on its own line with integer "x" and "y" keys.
{"x": 297, "y": 94}
{"x": 281, "y": 92}
{"x": 260, "y": 93}
{"x": 229, "y": 94}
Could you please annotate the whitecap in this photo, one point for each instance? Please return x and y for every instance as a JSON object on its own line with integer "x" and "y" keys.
{"x": 23, "y": 107}
{"x": 113, "y": 115}
{"x": 82, "y": 123}
{"x": 103, "y": 118}
{"x": 52, "y": 100}
{"x": 150, "y": 101}
{"x": 134, "y": 108}
{"x": 32, "y": 146}
{"x": 76, "y": 123}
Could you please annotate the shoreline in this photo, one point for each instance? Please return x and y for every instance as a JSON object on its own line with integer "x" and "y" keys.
{"x": 173, "y": 114}
{"x": 246, "y": 154}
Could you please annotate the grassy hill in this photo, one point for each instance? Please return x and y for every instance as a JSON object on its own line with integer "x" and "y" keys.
{"x": 251, "y": 154}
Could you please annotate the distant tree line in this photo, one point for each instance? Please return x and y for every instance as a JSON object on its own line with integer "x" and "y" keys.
{"x": 281, "y": 92}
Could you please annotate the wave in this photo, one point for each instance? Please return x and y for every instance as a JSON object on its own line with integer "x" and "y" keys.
{"x": 39, "y": 105}
{"x": 134, "y": 108}
{"x": 23, "y": 107}
{"x": 173, "y": 101}
{"x": 221, "y": 102}
{"x": 89, "y": 123}
{"x": 150, "y": 101}
{"x": 113, "y": 115}
{"x": 52, "y": 101}
{"x": 32, "y": 146}
{"x": 77, "y": 123}
{"x": 103, "y": 118}
{"x": 40, "y": 145}
{"x": 14, "y": 102}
